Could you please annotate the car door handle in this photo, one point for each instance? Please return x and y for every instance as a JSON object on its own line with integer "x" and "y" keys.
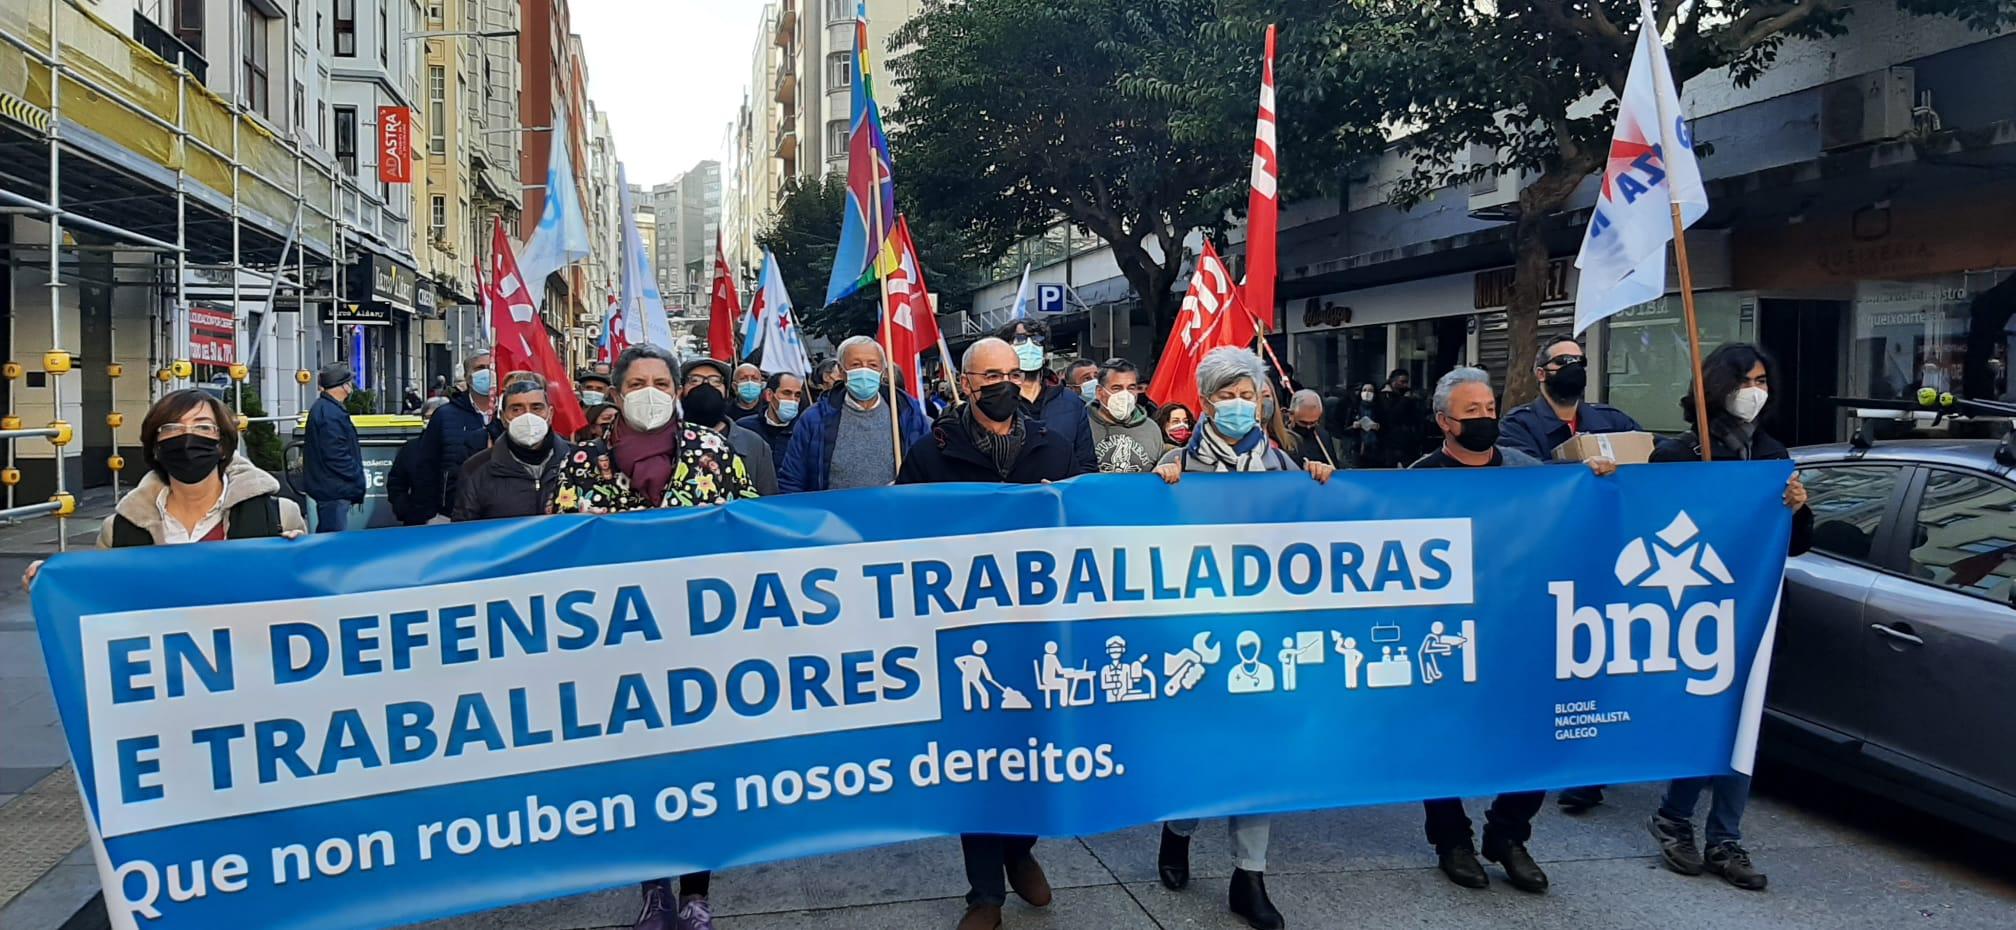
{"x": 1898, "y": 635}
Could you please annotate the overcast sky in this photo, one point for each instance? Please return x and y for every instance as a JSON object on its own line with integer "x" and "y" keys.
{"x": 670, "y": 73}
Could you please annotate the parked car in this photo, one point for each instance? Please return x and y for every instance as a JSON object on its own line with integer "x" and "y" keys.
{"x": 1895, "y": 662}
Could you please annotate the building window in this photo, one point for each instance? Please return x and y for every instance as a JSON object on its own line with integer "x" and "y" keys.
{"x": 384, "y": 35}
{"x": 321, "y": 124}
{"x": 839, "y": 70}
{"x": 346, "y": 28}
{"x": 836, "y": 139}
{"x": 300, "y": 106}
{"x": 437, "y": 216}
{"x": 437, "y": 110}
{"x": 434, "y": 15}
{"x": 189, "y": 23}
{"x": 839, "y": 10}
{"x": 256, "y": 44}
{"x": 346, "y": 139}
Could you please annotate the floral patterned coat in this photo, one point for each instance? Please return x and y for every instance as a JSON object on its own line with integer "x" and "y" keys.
{"x": 705, "y": 470}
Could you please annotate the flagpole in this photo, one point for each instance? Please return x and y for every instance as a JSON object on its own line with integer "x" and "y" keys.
{"x": 882, "y": 286}
{"x": 1661, "y": 87}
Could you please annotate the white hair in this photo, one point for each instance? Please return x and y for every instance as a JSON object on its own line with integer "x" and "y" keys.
{"x": 852, "y": 341}
{"x": 1457, "y": 377}
{"x": 1304, "y": 398}
{"x": 1228, "y": 365}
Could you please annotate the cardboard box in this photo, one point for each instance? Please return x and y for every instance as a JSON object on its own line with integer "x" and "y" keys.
{"x": 1632, "y": 448}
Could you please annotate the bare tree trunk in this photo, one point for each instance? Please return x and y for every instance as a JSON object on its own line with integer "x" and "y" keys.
{"x": 1151, "y": 281}
{"x": 1522, "y": 313}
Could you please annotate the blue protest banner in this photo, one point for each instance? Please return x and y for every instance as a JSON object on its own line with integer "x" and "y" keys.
{"x": 366, "y": 729}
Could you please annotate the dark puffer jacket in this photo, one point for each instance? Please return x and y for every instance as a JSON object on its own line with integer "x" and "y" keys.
{"x": 497, "y": 485}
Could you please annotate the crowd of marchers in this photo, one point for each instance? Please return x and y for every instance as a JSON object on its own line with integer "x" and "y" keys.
{"x": 664, "y": 433}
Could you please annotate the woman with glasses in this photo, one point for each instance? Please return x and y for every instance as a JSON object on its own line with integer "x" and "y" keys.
{"x": 1062, "y": 409}
{"x": 196, "y": 487}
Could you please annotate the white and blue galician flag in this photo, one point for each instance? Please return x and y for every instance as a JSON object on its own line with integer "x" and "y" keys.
{"x": 752, "y": 318}
{"x": 778, "y": 333}
{"x": 1651, "y": 167}
{"x": 1024, "y": 297}
{"x": 643, "y": 307}
{"x": 561, "y": 238}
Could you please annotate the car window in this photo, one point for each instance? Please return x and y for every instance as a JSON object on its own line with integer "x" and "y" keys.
{"x": 1848, "y": 503}
{"x": 1965, "y": 537}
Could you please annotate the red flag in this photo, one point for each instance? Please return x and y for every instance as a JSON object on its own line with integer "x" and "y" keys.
{"x": 913, "y": 326}
{"x": 723, "y": 311}
{"x": 1212, "y": 316}
{"x": 1263, "y": 203}
{"x": 522, "y": 344}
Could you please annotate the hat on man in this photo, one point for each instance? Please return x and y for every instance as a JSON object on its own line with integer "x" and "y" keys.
{"x": 590, "y": 376}
{"x": 335, "y": 375}
{"x": 686, "y": 370}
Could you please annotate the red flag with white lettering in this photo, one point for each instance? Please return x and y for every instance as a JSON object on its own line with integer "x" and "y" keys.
{"x": 722, "y": 311}
{"x": 522, "y": 343}
{"x": 1263, "y": 202}
{"x": 1212, "y": 316}
{"x": 913, "y": 326}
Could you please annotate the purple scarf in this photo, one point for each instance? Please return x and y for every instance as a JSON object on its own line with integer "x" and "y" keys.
{"x": 646, "y": 458}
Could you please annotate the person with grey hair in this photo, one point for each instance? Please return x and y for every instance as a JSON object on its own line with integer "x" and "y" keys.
{"x": 1554, "y": 417}
{"x": 1229, "y": 438}
{"x": 1467, "y": 413}
{"x": 843, "y": 440}
{"x": 746, "y": 394}
{"x": 1305, "y": 420}
{"x": 457, "y": 432}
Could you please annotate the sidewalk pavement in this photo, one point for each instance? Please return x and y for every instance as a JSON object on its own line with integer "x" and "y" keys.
{"x": 46, "y": 875}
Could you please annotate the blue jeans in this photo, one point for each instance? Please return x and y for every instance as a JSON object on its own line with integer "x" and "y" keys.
{"x": 1725, "y": 812}
{"x": 331, "y": 516}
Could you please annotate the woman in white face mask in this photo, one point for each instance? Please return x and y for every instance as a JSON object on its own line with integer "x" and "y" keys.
{"x": 1737, "y": 381}
{"x": 651, "y": 459}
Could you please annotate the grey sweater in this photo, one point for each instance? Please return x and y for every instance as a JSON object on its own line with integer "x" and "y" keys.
{"x": 1133, "y": 446}
{"x": 863, "y": 456}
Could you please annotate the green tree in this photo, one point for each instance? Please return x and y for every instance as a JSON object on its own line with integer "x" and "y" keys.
{"x": 1016, "y": 114}
{"x": 1506, "y": 77}
{"x": 262, "y": 441}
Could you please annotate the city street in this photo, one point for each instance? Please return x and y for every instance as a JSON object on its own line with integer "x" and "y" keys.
{"x": 1837, "y": 858}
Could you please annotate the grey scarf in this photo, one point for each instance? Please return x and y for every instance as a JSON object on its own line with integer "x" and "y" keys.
{"x": 1003, "y": 449}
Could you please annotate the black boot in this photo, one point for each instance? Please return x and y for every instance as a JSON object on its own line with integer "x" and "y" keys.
{"x": 1173, "y": 862}
{"x": 1249, "y": 900}
{"x": 1461, "y": 865}
{"x": 1520, "y": 869}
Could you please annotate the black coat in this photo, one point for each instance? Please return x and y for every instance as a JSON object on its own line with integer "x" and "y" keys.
{"x": 332, "y": 459}
{"x": 779, "y": 437}
{"x": 1728, "y": 446}
{"x": 455, "y": 433}
{"x": 1536, "y": 431}
{"x": 1403, "y": 421}
{"x": 1070, "y": 421}
{"x": 496, "y": 485}
{"x": 948, "y": 454}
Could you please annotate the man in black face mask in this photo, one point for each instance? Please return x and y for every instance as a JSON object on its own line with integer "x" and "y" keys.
{"x": 1468, "y": 416}
{"x": 992, "y": 438}
{"x": 703, "y": 397}
{"x": 1560, "y": 412}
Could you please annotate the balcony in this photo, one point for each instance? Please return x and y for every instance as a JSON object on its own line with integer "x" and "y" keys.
{"x": 786, "y": 89}
{"x": 787, "y": 23}
{"x": 787, "y": 143}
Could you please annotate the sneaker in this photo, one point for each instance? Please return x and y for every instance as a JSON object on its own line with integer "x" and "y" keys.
{"x": 1578, "y": 800}
{"x": 1461, "y": 865}
{"x": 1676, "y": 843}
{"x": 656, "y": 913}
{"x": 695, "y": 913}
{"x": 1520, "y": 869}
{"x": 1732, "y": 862}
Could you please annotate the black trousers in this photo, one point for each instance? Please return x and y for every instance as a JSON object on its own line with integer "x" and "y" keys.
{"x": 1509, "y": 820}
{"x": 987, "y": 858}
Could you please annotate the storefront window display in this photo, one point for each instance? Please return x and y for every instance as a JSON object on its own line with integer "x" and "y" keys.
{"x": 1341, "y": 358}
{"x": 1646, "y": 364}
{"x": 1913, "y": 334}
{"x": 1428, "y": 349}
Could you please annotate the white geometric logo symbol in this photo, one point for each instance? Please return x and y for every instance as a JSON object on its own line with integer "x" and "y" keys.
{"x": 1680, "y": 561}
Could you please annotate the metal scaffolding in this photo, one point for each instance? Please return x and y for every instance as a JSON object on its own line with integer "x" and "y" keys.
{"x": 139, "y": 132}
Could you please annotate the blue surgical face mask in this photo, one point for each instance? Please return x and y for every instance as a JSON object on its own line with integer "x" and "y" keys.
{"x": 591, "y": 398}
{"x": 748, "y": 391}
{"x": 862, "y": 383}
{"x": 1030, "y": 355}
{"x": 1234, "y": 418}
{"x": 483, "y": 381}
{"x": 787, "y": 410}
{"x": 1090, "y": 389}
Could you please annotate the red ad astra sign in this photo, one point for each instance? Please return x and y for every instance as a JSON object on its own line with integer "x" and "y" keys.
{"x": 210, "y": 337}
{"x": 395, "y": 145}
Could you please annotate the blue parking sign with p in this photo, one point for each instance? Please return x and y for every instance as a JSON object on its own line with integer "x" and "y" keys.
{"x": 1050, "y": 298}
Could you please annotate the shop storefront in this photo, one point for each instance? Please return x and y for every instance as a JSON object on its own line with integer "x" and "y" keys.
{"x": 376, "y": 326}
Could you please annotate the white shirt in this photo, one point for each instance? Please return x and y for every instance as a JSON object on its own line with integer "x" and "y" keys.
{"x": 173, "y": 533}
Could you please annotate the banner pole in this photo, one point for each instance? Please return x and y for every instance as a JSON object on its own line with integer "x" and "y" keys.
{"x": 882, "y": 287}
{"x": 1693, "y": 332}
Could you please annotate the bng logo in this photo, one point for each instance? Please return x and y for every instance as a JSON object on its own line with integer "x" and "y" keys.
{"x": 1672, "y": 562}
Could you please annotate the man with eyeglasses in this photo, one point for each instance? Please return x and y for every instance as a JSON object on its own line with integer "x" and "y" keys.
{"x": 1560, "y": 412}
{"x": 332, "y": 458}
{"x": 990, "y": 438}
{"x": 703, "y": 386}
{"x": 1059, "y": 406}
